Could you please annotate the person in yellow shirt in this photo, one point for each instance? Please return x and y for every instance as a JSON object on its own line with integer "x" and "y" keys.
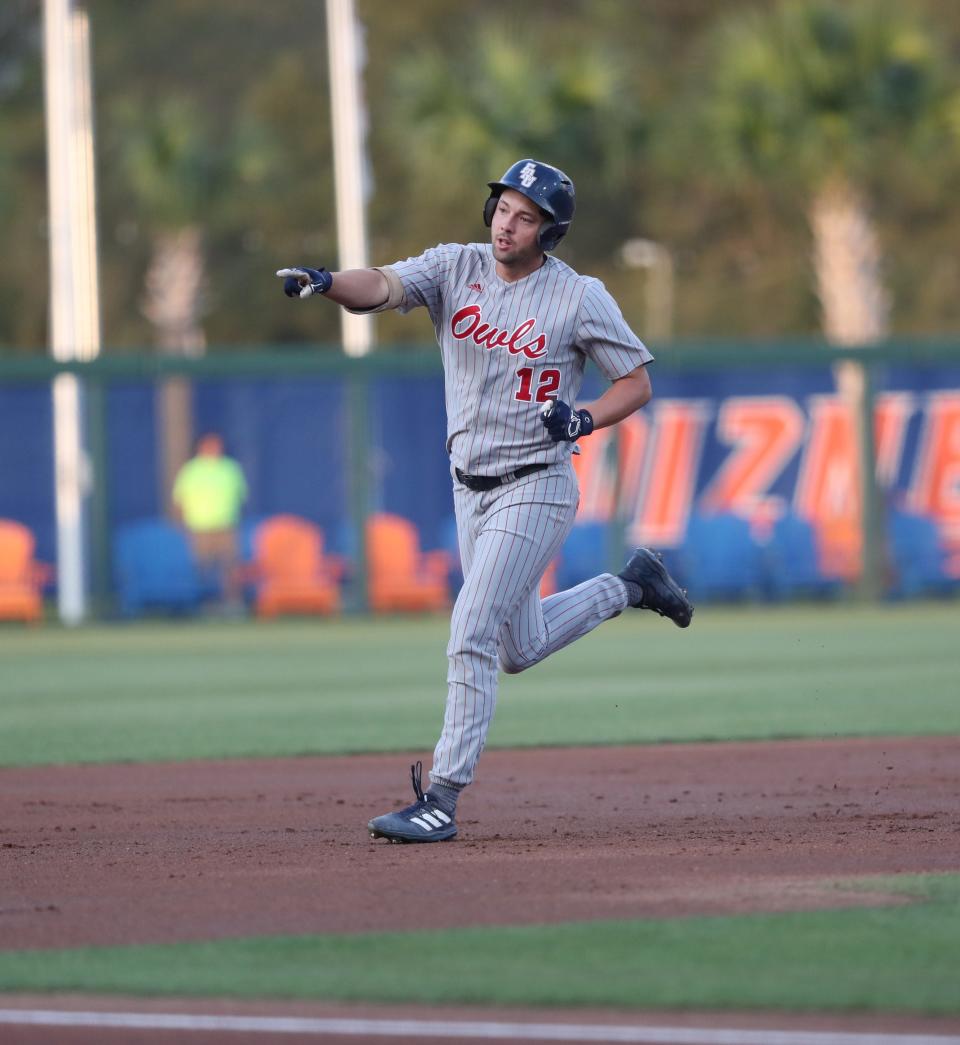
{"x": 208, "y": 494}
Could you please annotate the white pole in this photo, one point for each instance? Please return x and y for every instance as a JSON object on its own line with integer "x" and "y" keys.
{"x": 345, "y": 60}
{"x": 83, "y": 199}
{"x": 658, "y": 261}
{"x": 74, "y": 298}
{"x": 58, "y": 66}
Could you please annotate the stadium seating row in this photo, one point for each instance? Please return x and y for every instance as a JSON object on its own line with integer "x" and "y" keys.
{"x": 287, "y": 568}
{"x": 722, "y": 559}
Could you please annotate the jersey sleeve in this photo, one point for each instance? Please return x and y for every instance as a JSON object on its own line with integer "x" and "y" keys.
{"x": 604, "y": 336}
{"x": 423, "y": 278}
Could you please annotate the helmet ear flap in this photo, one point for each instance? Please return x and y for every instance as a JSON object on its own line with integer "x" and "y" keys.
{"x": 548, "y": 237}
{"x": 488, "y": 208}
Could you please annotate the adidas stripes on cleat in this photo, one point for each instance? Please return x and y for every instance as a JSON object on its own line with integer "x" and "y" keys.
{"x": 424, "y": 821}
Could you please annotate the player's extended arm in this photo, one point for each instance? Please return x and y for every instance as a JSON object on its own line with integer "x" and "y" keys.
{"x": 621, "y": 399}
{"x": 360, "y": 289}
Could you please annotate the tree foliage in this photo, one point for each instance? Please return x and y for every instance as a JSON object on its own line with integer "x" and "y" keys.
{"x": 614, "y": 93}
{"x": 480, "y": 109}
{"x": 820, "y": 96}
{"x": 811, "y": 89}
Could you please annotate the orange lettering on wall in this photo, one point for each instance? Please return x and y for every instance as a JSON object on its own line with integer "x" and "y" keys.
{"x": 596, "y": 471}
{"x": 828, "y": 486}
{"x": 764, "y": 433}
{"x": 936, "y": 483}
{"x": 892, "y": 413}
{"x": 595, "y": 477}
{"x": 634, "y": 438}
{"x": 669, "y": 480}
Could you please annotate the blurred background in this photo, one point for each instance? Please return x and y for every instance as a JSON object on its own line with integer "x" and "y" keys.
{"x": 767, "y": 188}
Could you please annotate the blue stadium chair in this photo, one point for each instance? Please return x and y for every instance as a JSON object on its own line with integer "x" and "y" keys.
{"x": 917, "y": 557}
{"x": 246, "y": 548}
{"x": 792, "y": 563}
{"x": 154, "y": 569}
{"x": 584, "y": 554}
{"x": 247, "y": 537}
{"x": 721, "y": 560}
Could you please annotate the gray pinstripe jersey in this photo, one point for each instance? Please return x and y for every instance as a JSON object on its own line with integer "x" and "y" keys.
{"x": 509, "y": 347}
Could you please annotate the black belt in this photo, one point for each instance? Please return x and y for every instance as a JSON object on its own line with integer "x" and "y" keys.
{"x": 491, "y": 482}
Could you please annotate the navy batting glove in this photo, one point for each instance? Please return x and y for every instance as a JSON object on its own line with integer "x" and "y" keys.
{"x": 302, "y": 282}
{"x": 565, "y": 424}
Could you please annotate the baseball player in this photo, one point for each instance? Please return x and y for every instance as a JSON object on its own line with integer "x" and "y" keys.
{"x": 515, "y": 327}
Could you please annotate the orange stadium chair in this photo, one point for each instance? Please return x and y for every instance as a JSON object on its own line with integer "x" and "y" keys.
{"x": 21, "y": 577}
{"x": 548, "y": 584}
{"x": 400, "y": 575}
{"x": 291, "y": 571}
{"x": 839, "y": 548}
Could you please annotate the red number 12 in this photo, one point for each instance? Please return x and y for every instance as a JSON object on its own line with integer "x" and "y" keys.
{"x": 547, "y": 383}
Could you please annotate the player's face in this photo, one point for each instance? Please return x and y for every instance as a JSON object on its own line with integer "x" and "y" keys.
{"x": 515, "y": 232}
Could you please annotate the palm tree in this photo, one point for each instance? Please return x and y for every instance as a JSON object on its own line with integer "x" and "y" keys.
{"x": 822, "y": 95}
{"x": 819, "y": 94}
{"x": 173, "y": 171}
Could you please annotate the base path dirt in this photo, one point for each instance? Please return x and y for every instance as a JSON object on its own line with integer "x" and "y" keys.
{"x": 188, "y": 851}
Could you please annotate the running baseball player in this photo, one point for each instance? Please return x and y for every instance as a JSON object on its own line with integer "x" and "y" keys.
{"x": 516, "y": 327}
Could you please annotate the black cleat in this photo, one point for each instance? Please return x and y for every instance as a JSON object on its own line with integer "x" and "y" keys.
{"x": 658, "y": 590}
{"x": 424, "y": 821}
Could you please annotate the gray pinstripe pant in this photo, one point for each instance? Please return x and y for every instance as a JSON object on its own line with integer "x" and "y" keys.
{"x": 507, "y": 537}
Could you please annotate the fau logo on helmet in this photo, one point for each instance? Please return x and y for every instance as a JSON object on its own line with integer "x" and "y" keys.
{"x": 528, "y": 175}
{"x": 467, "y": 322}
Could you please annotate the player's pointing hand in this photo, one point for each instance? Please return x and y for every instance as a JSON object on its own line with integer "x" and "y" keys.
{"x": 302, "y": 282}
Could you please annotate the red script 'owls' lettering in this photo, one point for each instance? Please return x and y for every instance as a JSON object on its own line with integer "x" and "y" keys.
{"x": 468, "y": 322}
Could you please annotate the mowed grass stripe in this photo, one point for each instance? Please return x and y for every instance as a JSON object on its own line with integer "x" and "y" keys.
{"x": 895, "y": 959}
{"x": 247, "y": 689}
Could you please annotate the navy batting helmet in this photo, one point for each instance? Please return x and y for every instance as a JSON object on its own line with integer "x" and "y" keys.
{"x": 549, "y": 188}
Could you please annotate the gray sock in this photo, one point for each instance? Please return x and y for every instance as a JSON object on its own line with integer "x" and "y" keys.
{"x": 445, "y": 795}
{"x": 634, "y": 591}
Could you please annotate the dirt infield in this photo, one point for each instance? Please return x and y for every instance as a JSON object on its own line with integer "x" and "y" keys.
{"x": 151, "y": 853}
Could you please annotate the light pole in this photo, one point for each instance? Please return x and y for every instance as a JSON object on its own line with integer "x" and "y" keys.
{"x": 657, "y": 260}
{"x": 344, "y": 50}
{"x": 73, "y": 288}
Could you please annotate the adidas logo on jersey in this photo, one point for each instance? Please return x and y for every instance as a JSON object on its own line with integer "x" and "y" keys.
{"x": 474, "y": 286}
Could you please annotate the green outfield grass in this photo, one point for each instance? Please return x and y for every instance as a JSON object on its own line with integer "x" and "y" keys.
{"x": 205, "y": 690}
{"x": 904, "y": 958}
